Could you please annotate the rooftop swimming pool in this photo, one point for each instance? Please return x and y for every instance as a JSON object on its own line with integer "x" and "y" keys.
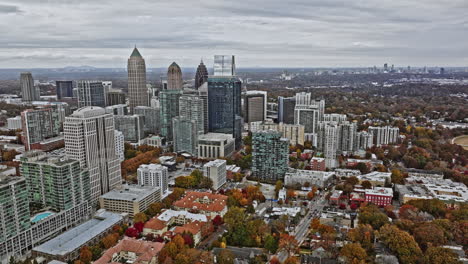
{"x": 41, "y": 216}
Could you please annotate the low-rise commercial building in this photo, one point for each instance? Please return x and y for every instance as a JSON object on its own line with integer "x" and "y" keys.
{"x": 130, "y": 199}
{"x": 215, "y": 145}
{"x": 14, "y": 123}
{"x": 379, "y": 196}
{"x": 66, "y": 247}
{"x": 376, "y": 178}
{"x": 320, "y": 179}
{"x": 317, "y": 164}
{"x": 425, "y": 173}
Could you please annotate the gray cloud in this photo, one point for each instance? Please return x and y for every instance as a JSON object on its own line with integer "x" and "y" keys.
{"x": 302, "y": 33}
{"x": 6, "y": 9}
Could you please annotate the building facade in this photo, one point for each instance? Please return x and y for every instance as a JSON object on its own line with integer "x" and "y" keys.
{"x": 384, "y": 135}
{"x": 174, "y": 77}
{"x": 64, "y": 89}
{"x": 169, "y": 100}
{"x": 215, "y": 145}
{"x": 286, "y": 106}
{"x": 153, "y": 175}
{"x": 119, "y": 145}
{"x": 224, "y": 106}
{"x": 28, "y": 91}
{"x": 185, "y": 133}
{"x": 130, "y": 199}
{"x": 216, "y": 171}
{"x": 131, "y": 126}
{"x": 90, "y": 138}
{"x": 269, "y": 155}
{"x": 201, "y": 76}
{"x": 137, "y": 91}
{"x": 255, "y": 106}
{"x": 59, "y": 183}
{"x": 150, "y": 118}
{"x": 90, "y": 93}
{"x": 192, "y": 107}
{"x": 14, "y": 207}
{"x": 38, "y": 125}
{"x": 224, "y": 65}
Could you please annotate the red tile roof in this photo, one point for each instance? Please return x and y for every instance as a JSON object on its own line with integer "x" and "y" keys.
{"x": 194, "y": 200}
{"x": 144, "y": 250}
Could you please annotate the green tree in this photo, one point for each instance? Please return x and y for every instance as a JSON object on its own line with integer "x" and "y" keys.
{"x": 371, "y": 215}
{"x": 271, "y": 244}
{"x": 140, "y": 218}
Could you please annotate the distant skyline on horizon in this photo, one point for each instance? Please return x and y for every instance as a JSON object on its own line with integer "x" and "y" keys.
{"x": 268, "y": 34}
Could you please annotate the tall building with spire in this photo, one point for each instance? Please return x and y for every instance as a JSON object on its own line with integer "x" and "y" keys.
{"x": 137, "y": 91}
{"x": 201, "y": 76}
{"x": 174, "y": 77}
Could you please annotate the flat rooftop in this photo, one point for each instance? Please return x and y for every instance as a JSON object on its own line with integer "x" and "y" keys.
{"x": 130, "y": 193}
{"x": 77, "y": 237}
{"x": 215, "y": 137}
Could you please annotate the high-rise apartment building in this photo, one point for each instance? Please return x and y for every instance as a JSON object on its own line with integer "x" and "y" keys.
{"x": 29, "y": 92}
{"x": 364, "y": 140}
{"x": 14, "y": 206}
{"x": 255, "y": 106}
{"x": 185, "y": 135}
{"x": 224, "y": 65}
{"x": 169, "y": 100}
{"x": 90, "y": 139}
{"x": 216, "y": 171}
{"x": 295, "y": 133}
{"x": 119, "y": 145}
{"x": 347, "y": 136}
{"x": 201, "y": 76}
{"x": 90, "y": 93}
{"x": 328, "y": 141}
{"x": 131, "y": 126}
{"x": 151, "y": 117}
{"x": 56, "y": 182}
{"x": 137, "y": 91}
{"x": 192, "y": 107}
{"x": 64, "y": 89}
{"x": 174, "y": 77}
{"x": 154, "y": 175}
{"x": 38, "y": 125}
{"x": 269, "y": 155}
{"x": 224, "y": 106}
{"x": 384, "y": 135}
{"x": 286, "y": 106}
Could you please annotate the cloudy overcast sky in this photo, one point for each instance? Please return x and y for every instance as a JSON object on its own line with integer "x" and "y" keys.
{"x": 263, "y": 33}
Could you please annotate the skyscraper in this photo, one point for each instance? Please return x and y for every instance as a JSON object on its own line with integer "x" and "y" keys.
{"x": 151, "y": 118}
{"x": 255, "y": 106}
{"x": 224, "y": 106}
{"x": 28, "y": 91}
{"x": 64, "y": 89}
{"x": 185, "y": 135}
{"x": 137, "y": 91}
{"x": 224, "y": 65}
{"x": 38, "y": 125}
{"x": 91, "y": 93}
{"x": 89, "y": 138}
{"x": 269, "y": 155}
{"x": 286, "y": 107}
{"x": 201, "y": 76}
{"x": 14, "y": 206}
{"x": 131, "y": 126}
{"x": 55, "y": 182}
{"x": 192, "y": 107}
{"x": 169, "y": 100}
{"x": 328, "y": 141}
{"x": 174, "y": 77}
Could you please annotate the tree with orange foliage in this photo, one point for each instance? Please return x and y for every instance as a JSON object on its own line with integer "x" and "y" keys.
{"x": 290, "y": 193}
{"x": 86, "y": 255}
{"x": 288, "y": 244}
{"x": 291, "y": 260}
{"x": 274, "y": 260}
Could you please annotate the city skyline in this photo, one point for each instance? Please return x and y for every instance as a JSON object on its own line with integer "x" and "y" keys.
{"x": 296, "y": 34}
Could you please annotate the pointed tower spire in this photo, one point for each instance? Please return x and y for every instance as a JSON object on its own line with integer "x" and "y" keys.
{"x": 135, "y": 52}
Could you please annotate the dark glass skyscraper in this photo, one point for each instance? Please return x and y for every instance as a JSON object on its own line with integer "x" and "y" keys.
{"x": 224, "y": 106}
{"x": 201, "y": 76}
{"x": 286, "y": 107}
{"x": 64, "y": 89}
